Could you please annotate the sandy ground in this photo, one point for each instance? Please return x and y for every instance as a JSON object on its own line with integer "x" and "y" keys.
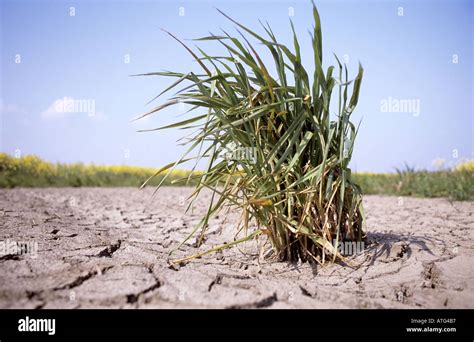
{"x": 108, "y": 248}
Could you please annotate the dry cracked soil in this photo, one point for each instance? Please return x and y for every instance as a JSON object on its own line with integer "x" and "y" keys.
{"x": 109, "y": 247}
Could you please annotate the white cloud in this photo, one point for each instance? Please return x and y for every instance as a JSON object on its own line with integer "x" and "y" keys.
{"x": 66, "y": 106}
{"x": 53, "y": 111}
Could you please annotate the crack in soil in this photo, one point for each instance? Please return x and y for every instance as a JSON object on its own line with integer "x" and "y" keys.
{"x": 264, "y": 303}
{"x": 305, "y": 292}
{"x": 217, "y": 281}
{"x": 431, "y": 274}
{"x": 81, "y": 279}
{"x": 36, "y": 295}
{"x": 134, "y": 297}
{"x": 110, "y": 250}
{"x": 10, "y": 257}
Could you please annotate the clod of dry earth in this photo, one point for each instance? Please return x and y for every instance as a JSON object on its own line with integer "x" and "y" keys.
{"x": 107, "y": 248}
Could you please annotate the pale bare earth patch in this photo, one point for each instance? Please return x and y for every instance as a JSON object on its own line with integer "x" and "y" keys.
{"x": 108, "y": 248}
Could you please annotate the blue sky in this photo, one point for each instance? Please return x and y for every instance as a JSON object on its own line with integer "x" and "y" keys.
{"x": 423, "y": 57}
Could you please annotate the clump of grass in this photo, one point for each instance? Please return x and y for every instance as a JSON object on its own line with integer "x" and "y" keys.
{"x": 286, "y": 165}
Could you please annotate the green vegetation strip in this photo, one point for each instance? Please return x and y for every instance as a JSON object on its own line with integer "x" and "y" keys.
{"x": 31, "y": 171}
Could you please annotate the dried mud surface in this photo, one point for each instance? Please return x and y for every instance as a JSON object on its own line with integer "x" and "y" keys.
{"x": 108, "y": 248}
